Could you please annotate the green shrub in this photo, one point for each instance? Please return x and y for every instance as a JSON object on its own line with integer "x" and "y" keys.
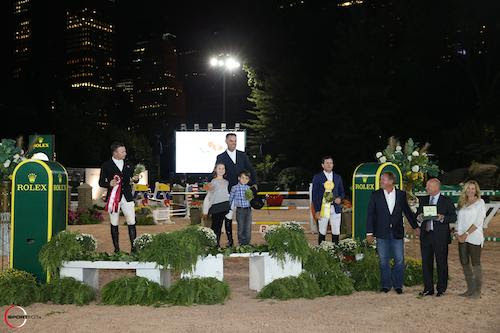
{"x": 413, "y": 272}
{"x": 287, "y": 239}
{"x": 18, "y": 287}
{"x": 366, "y": 273}
{"x": 325, "y": 268}
{"x": 67, "y": 291}
{"x": 144, "y": 220}
{"x": 178, "y": 250}
{"x": 198, "y": 291}
{"x": 133, "y": 290}
{"x": 64, "y": 246}
{"x": 302, "y": 286}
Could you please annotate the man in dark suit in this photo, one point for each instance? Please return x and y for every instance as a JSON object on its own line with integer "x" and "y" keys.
{"x": 385, "y": 222}
{"x": 117, "y": 175}
{"x": 318, "y": 191}
{"x": 435, "y": 237}
{"x": 235, "y": 161}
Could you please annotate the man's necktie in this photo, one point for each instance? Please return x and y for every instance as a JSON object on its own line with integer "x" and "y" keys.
{"x": 429, "y": 226}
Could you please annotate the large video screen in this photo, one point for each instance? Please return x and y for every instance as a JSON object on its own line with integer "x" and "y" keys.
{"x": 196, "y": 151}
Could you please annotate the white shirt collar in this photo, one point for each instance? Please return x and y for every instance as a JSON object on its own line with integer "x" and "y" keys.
{"x": 328, "y": 175}
{"x": 436, "y": 197}
{"x": 118, "y": 163}
{"x": 232, "y": 154}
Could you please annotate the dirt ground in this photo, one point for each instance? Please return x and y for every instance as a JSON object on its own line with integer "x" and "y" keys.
{"x": 360, "y": 312}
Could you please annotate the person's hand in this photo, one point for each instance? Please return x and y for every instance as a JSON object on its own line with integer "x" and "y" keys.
{"x": 317, "y": 215}
{"x": 113, "y": 183}
{"x": 208, "y": 187}
{"x": 440, "y": 217}
{"x": 370, "y": 239}
{"x": 338, "y": 201}
{"x": 462, "y": 238}
{"x": 135, "y": 178}
{"x": 417, "y": 232}
{"x": 420, "y": 217}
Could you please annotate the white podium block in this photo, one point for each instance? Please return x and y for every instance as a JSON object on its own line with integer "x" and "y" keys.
{"x": 264, "y": 269}
{"x": 88, "y": 271}
{"x": 209, "y": 266}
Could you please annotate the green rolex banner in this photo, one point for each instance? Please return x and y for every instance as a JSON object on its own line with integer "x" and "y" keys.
{"x": 42, "y": 144}
{"x": 366, "y": 180}
{"x": 39, "y": 210}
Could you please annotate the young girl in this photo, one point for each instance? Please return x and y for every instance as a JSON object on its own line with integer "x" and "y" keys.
{"x": 219, "y": 203}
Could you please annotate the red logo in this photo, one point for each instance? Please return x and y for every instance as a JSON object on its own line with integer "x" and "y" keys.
{"x": 14, "y": 320}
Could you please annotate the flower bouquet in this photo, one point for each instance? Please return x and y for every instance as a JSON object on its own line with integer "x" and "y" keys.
{"x": 413, "y": 160}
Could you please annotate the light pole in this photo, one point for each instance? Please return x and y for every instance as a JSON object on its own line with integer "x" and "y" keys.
{"x": 226, "y": 63}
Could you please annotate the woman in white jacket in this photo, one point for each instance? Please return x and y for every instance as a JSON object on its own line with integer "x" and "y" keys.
{"x": 470, "y": 217}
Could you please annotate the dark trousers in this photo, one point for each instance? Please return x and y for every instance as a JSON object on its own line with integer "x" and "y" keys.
{"x": 217, "y": 221}
{"x": 244, "y": 220}
{"x": 434, "y": 245}
{"x": 469, "y": 254}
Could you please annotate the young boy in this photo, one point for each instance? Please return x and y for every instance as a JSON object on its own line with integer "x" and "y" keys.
{"x": 238, "y": 200}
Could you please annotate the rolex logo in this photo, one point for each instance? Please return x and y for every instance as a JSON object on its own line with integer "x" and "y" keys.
{"x": 60, "y": 178}
{"x": 40, "y": 139}
{"x": 32, "y": 177}
{"x": 365, "y": 178}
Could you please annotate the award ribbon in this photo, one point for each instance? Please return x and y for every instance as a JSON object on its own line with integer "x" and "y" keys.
{"x": 326, "y": 203}
{"x": 115, "y": 196}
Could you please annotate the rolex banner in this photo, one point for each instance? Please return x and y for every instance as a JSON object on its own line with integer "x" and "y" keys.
{"x": 42, "y": 144}
{"x": 39, "y": 211}
{"x": 365, "y": 181}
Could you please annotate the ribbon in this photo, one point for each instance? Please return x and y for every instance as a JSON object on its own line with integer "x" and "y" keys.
{"x": 326, "y": 203}
{"x": 115, "y": 196}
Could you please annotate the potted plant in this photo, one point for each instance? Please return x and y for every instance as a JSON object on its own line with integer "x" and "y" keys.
{"x": 10, "y": 156}
{"x": 195, "y": 211}
{"x": 274, "y": 200}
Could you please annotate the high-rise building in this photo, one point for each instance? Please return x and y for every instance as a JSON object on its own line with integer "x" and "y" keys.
{"x": 158, "y": 94}
{"x": 90, "y": 61}
{"x": 22, "y": 38}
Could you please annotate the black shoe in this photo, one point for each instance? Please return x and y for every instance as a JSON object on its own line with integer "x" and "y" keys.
{"x": 426, "y": 293}
{"x": 321, "y": 238}
{"x": 335, "y": 239}
{"x": 399, "y": 290}
{"x": 440, "y": 293}
{"x": 228, "y": 225}
{"x": 385, "y": 290}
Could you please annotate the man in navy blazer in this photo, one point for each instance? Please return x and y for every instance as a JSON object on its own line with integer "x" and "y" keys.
{"x": 318, "y": 191}
{"x": 385, "y": 222}
{"x": 435, "y": 237}
{"x": 235, "y": 161}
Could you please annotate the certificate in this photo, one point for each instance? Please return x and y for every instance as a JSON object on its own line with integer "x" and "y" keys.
{"x": 430, "y": 213}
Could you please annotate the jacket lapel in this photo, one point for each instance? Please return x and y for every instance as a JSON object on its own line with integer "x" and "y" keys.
{"x": 230, "y": 159}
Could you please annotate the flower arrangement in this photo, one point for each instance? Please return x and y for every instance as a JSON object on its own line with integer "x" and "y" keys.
{"x": 347, "y": 247}
{"x": 139, "y": 168}
{"x": 10, "y": 156}
{"x": 413, "y": 160}
{"x": 89, "y": 216}
{"x": 209, "y": 235}
{"x": 249, "y": 194}
{"x": 87, "y": 241}
{"x": 143, "y": 240}
{"x": 196, "y": 204}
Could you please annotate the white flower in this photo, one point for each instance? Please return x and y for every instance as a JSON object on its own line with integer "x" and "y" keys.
{"x": 379, "y": 154}
{"x": 16, "y": 157}
{"x": 415, "y": 153}
{"x": 424, "y": 154}
{"x": 409, "y": 157}
{"x": 398, "y": 148}
{"x": 6, "y": 164}
{"x": 383, "y": 159}
{"x": 415, "y": 168}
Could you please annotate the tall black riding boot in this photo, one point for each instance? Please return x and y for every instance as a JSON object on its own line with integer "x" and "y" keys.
{"x": 132, "y": 234}
{"x": 228, "y": 225}
{"x": 115, "y": 238}
{"x": 321, "y": 238}
{"x": 335, "y": 239}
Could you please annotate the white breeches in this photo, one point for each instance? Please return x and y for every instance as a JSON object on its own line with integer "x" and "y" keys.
{"x": 334, "y": 222}
{"x": 128, "y": 209}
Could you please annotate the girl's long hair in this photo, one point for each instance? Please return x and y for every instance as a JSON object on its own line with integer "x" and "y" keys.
{"x": 214, "y": 173}
{"x": 462, "y": 200}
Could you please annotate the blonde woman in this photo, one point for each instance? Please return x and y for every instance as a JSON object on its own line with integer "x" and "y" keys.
{"x": 471, "y": 214}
